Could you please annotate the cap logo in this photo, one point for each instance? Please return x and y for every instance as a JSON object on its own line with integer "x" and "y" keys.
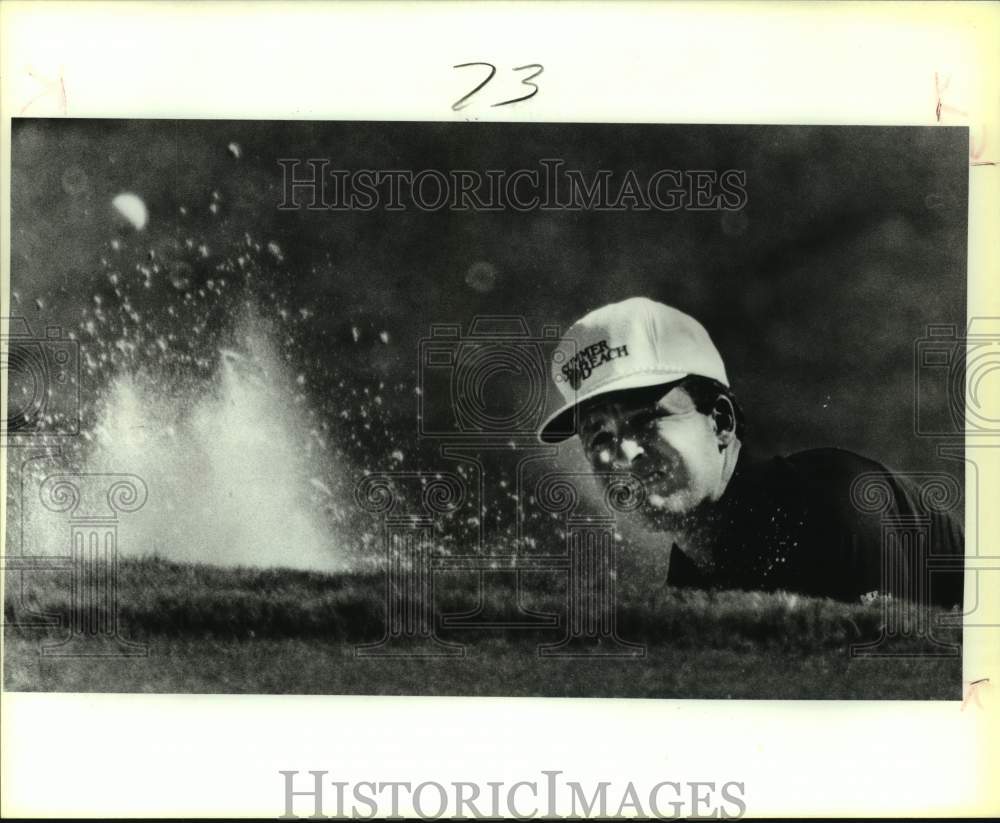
{"x": 579, "y": 367}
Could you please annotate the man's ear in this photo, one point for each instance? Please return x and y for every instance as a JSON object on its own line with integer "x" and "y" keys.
{"x": 724, "y": 421}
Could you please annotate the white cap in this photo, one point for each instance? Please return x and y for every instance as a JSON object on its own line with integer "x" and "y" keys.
{"x": 633, "y": 344}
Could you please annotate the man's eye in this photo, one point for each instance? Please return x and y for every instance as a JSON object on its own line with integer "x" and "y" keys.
{"x": 600, "y": 442}
{"x": 601, "y": 448}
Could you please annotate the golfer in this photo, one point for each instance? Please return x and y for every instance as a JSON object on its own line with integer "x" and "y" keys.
{"x": 646, "y": 392}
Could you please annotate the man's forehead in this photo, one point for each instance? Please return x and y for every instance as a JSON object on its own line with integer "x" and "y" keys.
{"x": 672, "y": 397}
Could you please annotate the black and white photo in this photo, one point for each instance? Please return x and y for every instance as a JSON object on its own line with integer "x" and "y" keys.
{"x": 512, "y": 409}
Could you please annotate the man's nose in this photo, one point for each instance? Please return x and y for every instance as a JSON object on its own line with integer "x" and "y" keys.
{"x": 628, "y": 451}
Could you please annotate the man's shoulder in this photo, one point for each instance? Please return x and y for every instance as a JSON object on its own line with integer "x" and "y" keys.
{"x": 820, "y": 469}
{"x": 831, "y": 459}
{"x": 839, "y": 472}
{"x": 798, "y": 522}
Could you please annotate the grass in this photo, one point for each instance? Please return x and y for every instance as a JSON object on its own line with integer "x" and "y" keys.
{"x": 210, "y": 629}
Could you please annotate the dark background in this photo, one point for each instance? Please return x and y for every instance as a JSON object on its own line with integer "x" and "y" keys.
{"x": 852, "y": 241}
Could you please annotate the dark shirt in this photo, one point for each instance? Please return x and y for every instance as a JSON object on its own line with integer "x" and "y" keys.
{"x": 790, "y": 523}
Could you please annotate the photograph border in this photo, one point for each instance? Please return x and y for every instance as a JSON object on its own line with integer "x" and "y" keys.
{"x": 761, "y": 63}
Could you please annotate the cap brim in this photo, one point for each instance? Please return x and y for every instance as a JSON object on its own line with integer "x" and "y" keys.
{"x": 563, "y": 424}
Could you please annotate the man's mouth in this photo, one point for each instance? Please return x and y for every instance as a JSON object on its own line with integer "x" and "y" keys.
{"x": 654, "y": 477}
{"x": 660, "y": 486}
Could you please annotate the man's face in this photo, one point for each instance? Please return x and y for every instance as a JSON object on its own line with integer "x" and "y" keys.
{"x": 662, "y": 439}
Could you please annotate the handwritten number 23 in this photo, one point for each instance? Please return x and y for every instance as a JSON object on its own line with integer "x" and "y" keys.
{"x": 462, "y": 102}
